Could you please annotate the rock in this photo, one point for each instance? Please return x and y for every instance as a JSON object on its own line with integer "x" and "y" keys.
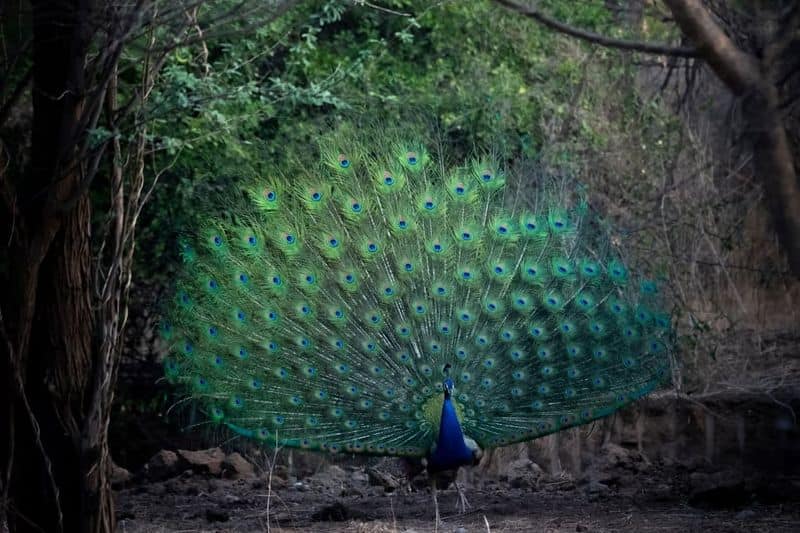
{"x": 163, "y": 465}
{"x": 745, "y": 514}
{"x": 597, "y": 490}
{"x": 204, "y": 461}
{"x": 172, "y": 486}
{"x": 119, "y": 476}
{"x": 336, "y": 472}
{"x": 279, "y": 471}
{"x": 382, "y": 479}
{"x": 231, "y": 499}
{"x": 278, "y": 482}
{"x": 351, "y": 492}
{"x": 237, "y": 467}
{"x": 217, "y": 515}
{"x": 359, "y": 476}
{"x": 330, "y": 478}
{"x": 615, "y": 466}
{"x": 614, "y": 455}
{"x": 523, "y": 474}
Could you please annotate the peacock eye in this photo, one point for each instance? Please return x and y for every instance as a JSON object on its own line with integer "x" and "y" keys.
{"x": 316, "y": 196}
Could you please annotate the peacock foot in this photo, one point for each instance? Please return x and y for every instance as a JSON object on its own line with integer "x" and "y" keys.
{"x": 462, "y": 504}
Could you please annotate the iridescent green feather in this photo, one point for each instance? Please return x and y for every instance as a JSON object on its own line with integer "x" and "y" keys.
{"x": 321, "y": 312}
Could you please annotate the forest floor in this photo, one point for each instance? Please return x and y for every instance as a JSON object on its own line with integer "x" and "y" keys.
{"x": 188, "y": 492}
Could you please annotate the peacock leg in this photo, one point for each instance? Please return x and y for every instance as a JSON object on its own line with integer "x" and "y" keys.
{"x": 463, "y": 504}
{"x": 435, "y": 502}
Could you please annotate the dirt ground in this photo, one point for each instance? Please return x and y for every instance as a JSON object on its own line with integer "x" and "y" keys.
{"x": 624, "y": 493}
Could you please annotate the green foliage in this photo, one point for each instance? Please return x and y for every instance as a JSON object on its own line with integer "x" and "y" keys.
{"x": 481, "y": 76}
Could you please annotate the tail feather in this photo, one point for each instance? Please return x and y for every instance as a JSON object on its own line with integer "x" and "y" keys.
{"x": 323, "y": 312}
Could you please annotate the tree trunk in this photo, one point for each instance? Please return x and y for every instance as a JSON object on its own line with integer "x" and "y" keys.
{"x": 750, "y": 79}
{"x": 56, "y": 482}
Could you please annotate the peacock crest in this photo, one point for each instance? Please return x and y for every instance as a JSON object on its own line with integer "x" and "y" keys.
{"x": 326, "y": 309}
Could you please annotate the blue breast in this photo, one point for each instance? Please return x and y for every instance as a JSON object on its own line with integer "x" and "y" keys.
{"x": 451, "y": 451}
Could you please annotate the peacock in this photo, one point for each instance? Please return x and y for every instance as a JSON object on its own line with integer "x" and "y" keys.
{"x": 382, "y": 301}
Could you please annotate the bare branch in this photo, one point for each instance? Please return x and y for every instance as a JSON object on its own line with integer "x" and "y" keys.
{"x": 596, "y": 38}
{"x": 737, "y": 69}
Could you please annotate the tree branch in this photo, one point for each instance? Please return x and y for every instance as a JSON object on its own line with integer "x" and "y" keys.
{"x": 746, "y": 78}
{"x": 738, "y": 70}
{"x": 596, "y": 38}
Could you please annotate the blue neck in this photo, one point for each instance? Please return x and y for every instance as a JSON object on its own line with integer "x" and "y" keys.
{"x": 451, "y": 451}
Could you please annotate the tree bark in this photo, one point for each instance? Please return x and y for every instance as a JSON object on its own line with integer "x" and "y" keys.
{"x": 53, "y": 484}
{"x": 751, "y": 80}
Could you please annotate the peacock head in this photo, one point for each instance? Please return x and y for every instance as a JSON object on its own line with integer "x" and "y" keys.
{"x": 447, "y": 384}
